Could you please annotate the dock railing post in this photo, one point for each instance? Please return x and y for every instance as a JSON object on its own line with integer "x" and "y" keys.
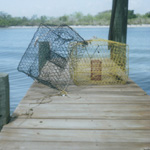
{"x": 118, "y": 23}
{"x": 4, "y": 99}
{"x": 118, "y": 27}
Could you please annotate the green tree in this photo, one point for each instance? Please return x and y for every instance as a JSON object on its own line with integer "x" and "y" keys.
{"x": 147, "y": 14}
{"x": 43, "y": 19}
{"x": 131, "y": 14}
{"x": 63, "y": 18}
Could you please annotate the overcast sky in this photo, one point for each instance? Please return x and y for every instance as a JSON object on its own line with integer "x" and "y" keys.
{"x": 56, "y": 8}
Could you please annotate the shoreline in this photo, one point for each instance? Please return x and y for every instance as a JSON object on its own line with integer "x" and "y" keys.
{"x": 84, "y": 26}
{"x": 103, "y": 26}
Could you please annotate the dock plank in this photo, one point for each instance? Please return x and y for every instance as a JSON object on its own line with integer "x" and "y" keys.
{"x": 86, "y": 99}
{"x": 78, "y": 124}
{"x": 85, "y": 111}
{"x": 15, "y": 145}
{"x": 105, "y": 117}
{"x": 36, "y": 135}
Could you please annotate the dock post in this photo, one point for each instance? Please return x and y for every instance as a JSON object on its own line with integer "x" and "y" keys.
{"x": 4, "y": 99}
{"x": 118, "y": 29}
{"x": 118, "y": 23}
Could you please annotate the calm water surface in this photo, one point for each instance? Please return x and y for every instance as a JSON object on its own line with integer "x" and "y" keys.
{"x": 14, "y": 41}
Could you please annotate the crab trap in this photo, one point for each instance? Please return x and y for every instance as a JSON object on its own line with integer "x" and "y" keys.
{"x": 47, "y": 56}
{"x": 58, "y": 56}
{"x": 99, "y": 62}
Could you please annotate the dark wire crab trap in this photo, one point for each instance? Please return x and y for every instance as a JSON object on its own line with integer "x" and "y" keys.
{"x": 47, "y": 56}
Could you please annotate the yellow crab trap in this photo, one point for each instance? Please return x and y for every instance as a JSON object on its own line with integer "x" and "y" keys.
{"x": 99, "y": 62}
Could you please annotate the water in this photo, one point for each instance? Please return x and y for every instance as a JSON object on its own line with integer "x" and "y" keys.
{"x": 139, "y": 42}
{"x": 14, "y": 41}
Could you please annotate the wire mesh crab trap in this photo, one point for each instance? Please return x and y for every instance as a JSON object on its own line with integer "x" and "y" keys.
{"x": 47, "y": 56}
{"x": 99, "y": 62}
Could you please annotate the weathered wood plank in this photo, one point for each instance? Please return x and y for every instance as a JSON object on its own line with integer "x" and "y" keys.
{"x": 75, "y": 135}
{"x": 114, "y": 93}
{"x": 99, "y": 88}
{"x": 40, "y": 88}
{"x": 39, "y": 94}
{"x": 135, "y": 95}
{"x": 37, "y": 86}
{"x": 87, "y": 111}
{"x": 86, "y": 99}
{"x": 93, "y": 88}
{"x": 4, "y": 99}
{"x": 14, "y": 145}
{"x": 76, "y": 124}
{"x": 104, "y": 117}
{"x": 86, "y": 107}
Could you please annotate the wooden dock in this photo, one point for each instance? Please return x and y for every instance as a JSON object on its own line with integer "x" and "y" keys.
{"x": 108, "y": 117}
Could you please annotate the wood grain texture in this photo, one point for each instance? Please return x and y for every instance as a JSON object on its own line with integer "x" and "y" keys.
{"x": 79, "y": 124}
{"x": 36, "y": 135}
{"x": 115, "y": 117}
{"x": 85, "y": 111}
{"x": 15, "y": 145}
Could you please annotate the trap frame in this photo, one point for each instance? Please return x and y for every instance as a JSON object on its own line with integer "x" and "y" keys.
{"x": 47, "y": 56}
{"x": 100, "y": 62}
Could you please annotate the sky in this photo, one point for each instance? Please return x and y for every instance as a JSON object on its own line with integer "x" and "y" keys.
{"x": 57, "y": 8}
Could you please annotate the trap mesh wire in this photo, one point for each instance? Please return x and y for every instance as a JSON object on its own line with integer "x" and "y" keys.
{"x": 58, "y": 56}
{"x": 99, "y": 62}
{"x": 47, "y": 56}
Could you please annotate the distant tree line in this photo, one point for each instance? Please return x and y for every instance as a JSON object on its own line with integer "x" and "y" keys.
{"x": 77, "y": 18}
